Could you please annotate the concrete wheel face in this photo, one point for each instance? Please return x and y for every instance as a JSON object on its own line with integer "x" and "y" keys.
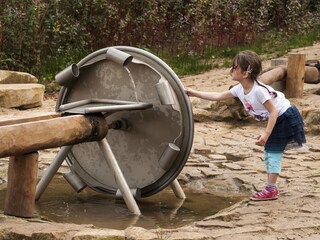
{"x": 151, "y": 144}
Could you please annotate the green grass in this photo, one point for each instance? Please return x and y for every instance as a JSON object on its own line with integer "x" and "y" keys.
{"x": 270, "y": 45}
{"x": 54, "y": 65}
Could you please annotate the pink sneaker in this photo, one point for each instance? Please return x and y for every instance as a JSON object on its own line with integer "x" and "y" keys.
{"x": 265, "y": 195}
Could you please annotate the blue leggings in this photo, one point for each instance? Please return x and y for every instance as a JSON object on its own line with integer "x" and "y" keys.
{"x": 273, "y": 161}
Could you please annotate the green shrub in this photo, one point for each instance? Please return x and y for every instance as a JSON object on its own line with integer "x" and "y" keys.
{"x": 43, "y": 37}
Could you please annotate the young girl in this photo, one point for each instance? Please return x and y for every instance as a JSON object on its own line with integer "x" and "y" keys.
{"x": 284, "y": 122}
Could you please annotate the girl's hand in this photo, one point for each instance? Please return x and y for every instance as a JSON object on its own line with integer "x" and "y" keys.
{"x": 262, "y": 139}
{"x": 189, "y": 91}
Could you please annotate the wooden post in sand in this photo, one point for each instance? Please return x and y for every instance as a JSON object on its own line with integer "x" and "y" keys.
{"x": 295, "y": 75}
{"x": 21, "y": 187}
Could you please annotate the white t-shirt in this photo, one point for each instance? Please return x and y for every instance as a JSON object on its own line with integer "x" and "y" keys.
{"x": 254, "y": 100}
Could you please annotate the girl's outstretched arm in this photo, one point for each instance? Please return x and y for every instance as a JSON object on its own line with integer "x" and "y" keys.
{"x": 212, "y": 96}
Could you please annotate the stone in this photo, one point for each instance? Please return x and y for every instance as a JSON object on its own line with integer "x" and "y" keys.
{"x": 217, "y": 157}
{"x": 97, "y": 234}
{"x": 185, "y": 235}
{"x": 232, "y": 166}
{"x": 194, "y": 173}
{"x": 214, "y": 223}
{"x": 22, "y": 96}
{"x": 219, "y": 111}
{"x": 235, "y": 108}
{"x": 132, "y": 233}
{"x": 9, "y": 77}
{"x": 311, "y": 116}
{"x": 311, "y": 119}
{"x": 211, "y": 173}
{"x": 212, "y": 142}
{"x": 18, "y": 228}
{"x": 201, "y": 103}
{"x": 198, "y": 165}
{"x": 201, "y": 115}
{"x": 237, "y": 156}
{"x": 229, "y": 213}
{"x": 304, "y": 222}
{"x": 202, "y": 150}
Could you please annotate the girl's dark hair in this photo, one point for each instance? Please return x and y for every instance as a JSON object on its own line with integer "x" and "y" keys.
{"x": 250, "y": 62}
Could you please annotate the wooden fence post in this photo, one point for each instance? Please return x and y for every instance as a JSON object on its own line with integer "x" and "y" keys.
{"x": 295, "y": 75}
{"x": 21, "y": 187}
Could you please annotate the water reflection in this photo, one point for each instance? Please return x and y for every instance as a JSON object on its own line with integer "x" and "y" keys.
{"x": 60, "y": 203}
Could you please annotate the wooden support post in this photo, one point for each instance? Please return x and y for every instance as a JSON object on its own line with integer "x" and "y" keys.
{"x": 21, "y": 187}
{"x": 295, "y": 75}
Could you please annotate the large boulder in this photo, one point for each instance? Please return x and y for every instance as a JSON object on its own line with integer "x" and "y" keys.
{"x": 7, "y": 77}
{"x": 225, "y": 110}
{"x": 20, "y": 90}
{"x": 311, "y": 117}
{"x": 21, "y": 96}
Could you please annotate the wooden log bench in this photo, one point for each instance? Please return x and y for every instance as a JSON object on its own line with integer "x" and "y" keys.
{"x": 293, "y": 75}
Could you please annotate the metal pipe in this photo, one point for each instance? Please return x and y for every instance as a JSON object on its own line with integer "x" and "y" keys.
{"x": 165, "y": 92}
{"x": 127, "y": 107}
{"x": 68, "y": 75}
{"x": 168, "y": 156}
{"x": 118, "y": 56}
{"x": 75, "y": 181}
{"x": 121, "y": 181}
{"x": 177, "y": 189}
{"x": 136, "y": 193}
{"x": 51, "y": 171}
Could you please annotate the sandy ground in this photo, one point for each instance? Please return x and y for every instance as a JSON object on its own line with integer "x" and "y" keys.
{"x": 237, "y": 166}
{"x": 224, "y": 159}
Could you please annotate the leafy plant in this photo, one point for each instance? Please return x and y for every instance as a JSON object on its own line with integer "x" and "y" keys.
{"x": 43, "y": 37}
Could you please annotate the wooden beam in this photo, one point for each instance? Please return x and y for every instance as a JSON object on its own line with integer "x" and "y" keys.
{"x": 29, "y": 119}
{"x": 273, "y": 75}
{"x": 311, "y": 75}
{"x": 29, "y": 137}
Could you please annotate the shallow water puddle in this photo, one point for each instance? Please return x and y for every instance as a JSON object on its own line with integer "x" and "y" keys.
{"x": 60, "y": 203}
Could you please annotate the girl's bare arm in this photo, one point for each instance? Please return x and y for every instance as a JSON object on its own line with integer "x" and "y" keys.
{"x": 212, "y": 96}
{"x": 262, "y": 139}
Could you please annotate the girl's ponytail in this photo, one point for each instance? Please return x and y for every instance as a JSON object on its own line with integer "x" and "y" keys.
{"x": 272, "y": 93}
